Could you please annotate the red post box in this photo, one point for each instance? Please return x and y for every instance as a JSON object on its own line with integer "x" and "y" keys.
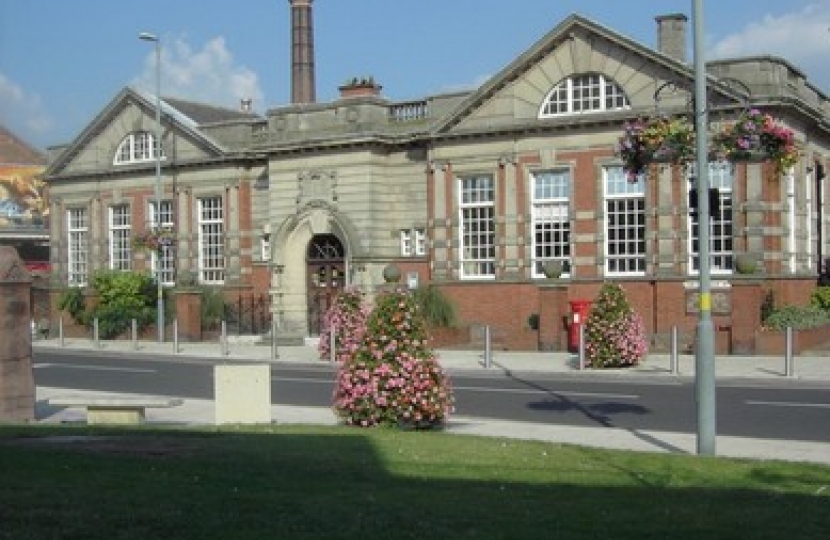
{"x": 578, "y": 317}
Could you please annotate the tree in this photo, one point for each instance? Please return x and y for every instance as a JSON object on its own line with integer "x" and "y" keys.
{"x": 393, "y": 378}
{"x": 346, "y": 318}
{"x": 614, "y": 333}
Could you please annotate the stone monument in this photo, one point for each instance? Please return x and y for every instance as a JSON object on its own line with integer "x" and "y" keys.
{"x": 17, "y": 385}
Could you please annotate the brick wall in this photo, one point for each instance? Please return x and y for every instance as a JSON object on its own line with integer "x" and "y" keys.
{"x": 506, "y": 308}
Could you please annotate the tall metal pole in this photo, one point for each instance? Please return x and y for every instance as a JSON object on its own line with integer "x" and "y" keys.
{"x": 157, "y": 149}
{"x": 705, "y": 350}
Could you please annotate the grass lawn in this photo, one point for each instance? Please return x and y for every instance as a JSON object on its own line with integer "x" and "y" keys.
{"x": 312, "y": 482}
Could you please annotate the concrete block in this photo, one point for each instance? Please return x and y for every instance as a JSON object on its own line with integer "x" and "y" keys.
{"x": 242, "y": 394}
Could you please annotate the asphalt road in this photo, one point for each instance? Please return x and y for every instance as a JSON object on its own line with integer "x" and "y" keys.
{"x": 786, "y": 410}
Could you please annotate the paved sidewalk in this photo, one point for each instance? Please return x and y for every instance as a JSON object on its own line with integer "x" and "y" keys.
{"x": 809, "y": 369}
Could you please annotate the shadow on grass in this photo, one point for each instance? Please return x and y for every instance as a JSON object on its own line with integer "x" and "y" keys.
{"x": 346, "y": 483}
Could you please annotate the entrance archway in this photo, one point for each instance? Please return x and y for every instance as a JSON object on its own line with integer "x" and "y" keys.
{"x": 325, "y": 277}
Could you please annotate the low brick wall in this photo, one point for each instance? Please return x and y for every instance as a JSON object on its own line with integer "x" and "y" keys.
{"x": 773, "y": 342}
{"x": 442, "y": 338}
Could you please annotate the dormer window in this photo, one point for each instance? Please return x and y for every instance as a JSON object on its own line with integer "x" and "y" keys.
{"x": 584, "y": 94}
{"x": 137, "y": 147}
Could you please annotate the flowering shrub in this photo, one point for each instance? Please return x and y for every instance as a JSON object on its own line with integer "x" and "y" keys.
{"x": 666, "y": 140}
{"x": 672, "y": 140}
{"x": 155, "y": 238}
{"x": 756, "y": 132}
{"x": 347, "y": 319}
{"x": 393, "y": 378}
{"x": 614, "y": 334}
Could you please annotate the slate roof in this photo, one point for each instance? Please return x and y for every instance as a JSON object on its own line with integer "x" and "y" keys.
{"x": 203, "y": 113}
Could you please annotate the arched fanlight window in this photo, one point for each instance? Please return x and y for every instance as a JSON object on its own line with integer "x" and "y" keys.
{"x": 325, "y": 247}
{"x": 581, "y": 94}
{"x": 137, "y": 147}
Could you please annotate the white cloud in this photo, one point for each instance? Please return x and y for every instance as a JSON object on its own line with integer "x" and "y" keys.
{"x": 801, "y": 37}
{"x": 21, "y": 112}
{"x": 208, "y": 75}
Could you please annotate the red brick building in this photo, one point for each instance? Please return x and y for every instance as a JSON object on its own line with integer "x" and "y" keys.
{"x": 472, "y": 192}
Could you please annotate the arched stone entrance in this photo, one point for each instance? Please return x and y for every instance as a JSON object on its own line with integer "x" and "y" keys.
{"x": 313, "y": 257}
{"x": 325, "y": 277}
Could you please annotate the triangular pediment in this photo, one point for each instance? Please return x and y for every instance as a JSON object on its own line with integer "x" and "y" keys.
{"x": 129, "y": 112}
{"x": 513, "y": 97}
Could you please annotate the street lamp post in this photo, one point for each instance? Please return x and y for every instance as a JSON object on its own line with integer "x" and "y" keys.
{"x": 705, "y": 350}
{"x": 145, "y": 36}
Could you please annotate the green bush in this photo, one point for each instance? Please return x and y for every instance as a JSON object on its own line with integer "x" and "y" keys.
{"x": 767, "y": 306}
{"x": 797, "y": 317}
{"x": 821, "y": 298}
{"x": 123, "y": 296}
{"x": 213, "y": 306}
{"x": 533, "y": 321}
{"x": 72, "y": 301}
{"x": 435, "y": 307}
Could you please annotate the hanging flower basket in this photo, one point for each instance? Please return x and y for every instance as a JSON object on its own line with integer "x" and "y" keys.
{"x": 755, "y": 137}
{"x": 664, "y": 154}
{"x": 656, "y": 140}
{"x": 155, "y": 238}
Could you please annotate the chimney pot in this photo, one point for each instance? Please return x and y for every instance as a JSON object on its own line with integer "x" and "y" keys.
{"x": 357, "y": 87}
{"x": 671, "y": 35}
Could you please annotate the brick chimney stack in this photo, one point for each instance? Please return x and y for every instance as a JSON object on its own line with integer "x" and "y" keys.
{"x": 671, "y": 35}
{"x": 302, "y": 52}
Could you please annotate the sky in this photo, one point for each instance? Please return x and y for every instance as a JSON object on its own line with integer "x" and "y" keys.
{"x": 63, "y": 61}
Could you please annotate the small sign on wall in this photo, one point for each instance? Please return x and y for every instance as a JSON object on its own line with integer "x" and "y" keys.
{"x": 721, "y": 302}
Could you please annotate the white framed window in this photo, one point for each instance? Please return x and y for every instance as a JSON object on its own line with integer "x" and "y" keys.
{"x": 265, "y": 247}
{"x": 590, "y": 92}
{"x": 120, "y": 240}
{"x": 721, "y": 180}
{"x": 625, "y": 223}
{"x": 77, "y": 226}
{"x": 478, "y": 227}
{"x": 137, "y": 147}
{"x": 167, "y": 253}
{"x": 551, "y": 225}
{"x": 406, "y": 242}
{"x": 211, "y": 241}
{"x": 420, "y": 242}
{"x": 413, "y": 242}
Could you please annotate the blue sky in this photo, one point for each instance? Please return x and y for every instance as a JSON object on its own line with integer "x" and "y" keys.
{"x": 62, "y": 61}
